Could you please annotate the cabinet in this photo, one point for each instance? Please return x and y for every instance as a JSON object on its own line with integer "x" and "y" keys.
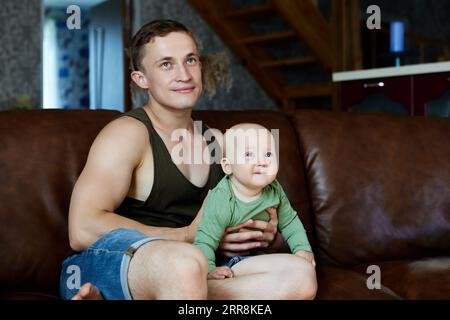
{"x": 420, "y": 90}
{"x": 432, "y": 94}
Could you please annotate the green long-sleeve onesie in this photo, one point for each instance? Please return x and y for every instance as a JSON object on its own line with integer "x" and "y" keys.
{"x": 223, "y": 209}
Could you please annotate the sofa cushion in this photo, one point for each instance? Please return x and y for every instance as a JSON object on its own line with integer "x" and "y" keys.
{"x": 379, "y": 185}
{"x": 427, "y": 278}
{"x": 42, "y": 153}
{"x": 27, "y": 296}
{"x": 344, "y": 284}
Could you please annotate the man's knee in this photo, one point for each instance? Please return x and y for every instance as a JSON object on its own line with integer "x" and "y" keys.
{"x": 176, "y": 258}
{"x": 169, "y": 269}
{"x": 189, "y": 269}
{"x": 189, "y": 261}
{"x": 302, "y": 281}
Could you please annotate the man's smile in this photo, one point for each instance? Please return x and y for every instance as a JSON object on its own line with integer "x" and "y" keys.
{"x": 184, "y": 89}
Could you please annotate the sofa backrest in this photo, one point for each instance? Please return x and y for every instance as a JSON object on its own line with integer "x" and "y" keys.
{"x": 379, "y": 185}
{"x": 42, "y": 152}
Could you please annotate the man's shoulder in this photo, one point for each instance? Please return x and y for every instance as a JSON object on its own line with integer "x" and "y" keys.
{"x": 125, "y": 129}
{"x": 124, "y": 139}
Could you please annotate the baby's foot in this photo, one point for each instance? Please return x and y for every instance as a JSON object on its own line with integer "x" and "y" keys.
{"x": 88, "y": 292}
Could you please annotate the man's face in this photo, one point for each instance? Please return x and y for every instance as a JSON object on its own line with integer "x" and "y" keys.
{"x": 173, "y": 71}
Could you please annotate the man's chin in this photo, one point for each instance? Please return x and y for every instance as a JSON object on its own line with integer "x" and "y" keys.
{"x": 181, "y": 105}
{"x": 187, "y": 103}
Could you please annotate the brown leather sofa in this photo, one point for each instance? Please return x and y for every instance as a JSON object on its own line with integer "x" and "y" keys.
{"x": 373, "y": 191}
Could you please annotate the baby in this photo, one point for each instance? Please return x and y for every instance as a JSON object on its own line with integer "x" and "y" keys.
{"x": 248, "y": 189}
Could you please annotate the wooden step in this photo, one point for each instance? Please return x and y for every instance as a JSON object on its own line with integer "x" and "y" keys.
{"x": 249, "y": 13}
{"x": 309, "y": 90}
{"x": 276, "y": 36}
{"x": 287, "y": 62}
{"x": 311, "y": 27}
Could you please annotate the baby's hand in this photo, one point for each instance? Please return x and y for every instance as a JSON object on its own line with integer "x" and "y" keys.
{"x": 306, "y": 255}
{"x": 220, "y": 273}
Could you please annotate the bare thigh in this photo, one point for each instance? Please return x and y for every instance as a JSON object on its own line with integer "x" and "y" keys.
{"x": 158, "y": 267}
{"x": 269, "y": 263}
{"x": 271, "y": 276}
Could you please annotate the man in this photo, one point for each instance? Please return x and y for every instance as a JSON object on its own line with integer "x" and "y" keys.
{"x": 134, "y": 212}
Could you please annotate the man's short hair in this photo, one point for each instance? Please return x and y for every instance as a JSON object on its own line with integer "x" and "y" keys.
{"x": 156, "y": 28}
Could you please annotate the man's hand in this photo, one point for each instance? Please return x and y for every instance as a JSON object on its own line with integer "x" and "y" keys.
{"x": 309, "y": 256}
{"x": 220, "y": 273}
{"x": 240, "y": 243}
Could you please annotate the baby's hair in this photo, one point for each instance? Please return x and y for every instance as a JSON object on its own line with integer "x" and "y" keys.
{"x": 240, "y": 126}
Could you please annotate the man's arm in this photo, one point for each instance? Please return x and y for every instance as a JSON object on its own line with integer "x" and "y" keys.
{"x": 105, "y": 181}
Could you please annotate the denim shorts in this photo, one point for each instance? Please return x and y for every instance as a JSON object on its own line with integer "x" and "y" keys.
{"x": 231, "y": 262}
{"x": 104, "y": 264}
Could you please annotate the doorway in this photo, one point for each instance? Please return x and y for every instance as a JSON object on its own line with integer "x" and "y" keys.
{"x": 84, "y": 60}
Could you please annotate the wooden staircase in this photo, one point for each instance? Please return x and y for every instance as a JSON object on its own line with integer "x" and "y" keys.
{"x": 304, "y": 25}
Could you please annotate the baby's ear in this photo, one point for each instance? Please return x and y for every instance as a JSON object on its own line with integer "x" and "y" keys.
{"x": 226, "y": 166}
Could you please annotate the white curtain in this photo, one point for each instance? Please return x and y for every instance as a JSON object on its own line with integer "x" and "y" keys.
{"x": 50, "y": 66}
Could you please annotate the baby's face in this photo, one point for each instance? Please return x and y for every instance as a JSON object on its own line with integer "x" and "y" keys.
{"x": 252, "y": 157}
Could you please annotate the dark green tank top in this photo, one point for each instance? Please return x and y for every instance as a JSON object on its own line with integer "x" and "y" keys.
{"x": 173, "y": 201}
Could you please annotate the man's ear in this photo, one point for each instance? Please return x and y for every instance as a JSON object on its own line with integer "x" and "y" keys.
{"x": 226, "y": 166}
{"x": 140, "y": 79}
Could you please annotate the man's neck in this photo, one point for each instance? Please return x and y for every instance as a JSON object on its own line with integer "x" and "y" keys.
{"x": 167, "y": 119}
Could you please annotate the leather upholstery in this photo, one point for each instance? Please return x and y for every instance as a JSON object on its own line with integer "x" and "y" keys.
{"x": 379, "y": 185}
{"x": 370, "y": 189}
{"x": 42, "y": 153}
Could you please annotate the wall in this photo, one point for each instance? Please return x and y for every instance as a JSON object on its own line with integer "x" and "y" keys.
{"x": 21, "y": 45}
{"x": 245, "y": 93}
{"x": 423, "y": 17}
{"x": 20, "y": 54}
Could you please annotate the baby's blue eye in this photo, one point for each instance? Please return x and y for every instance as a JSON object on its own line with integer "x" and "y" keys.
{"x": 268, "y": 154}
{"x": 248, "y": 154}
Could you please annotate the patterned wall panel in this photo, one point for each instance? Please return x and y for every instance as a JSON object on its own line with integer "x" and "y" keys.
{"x": 20, "y": 54}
